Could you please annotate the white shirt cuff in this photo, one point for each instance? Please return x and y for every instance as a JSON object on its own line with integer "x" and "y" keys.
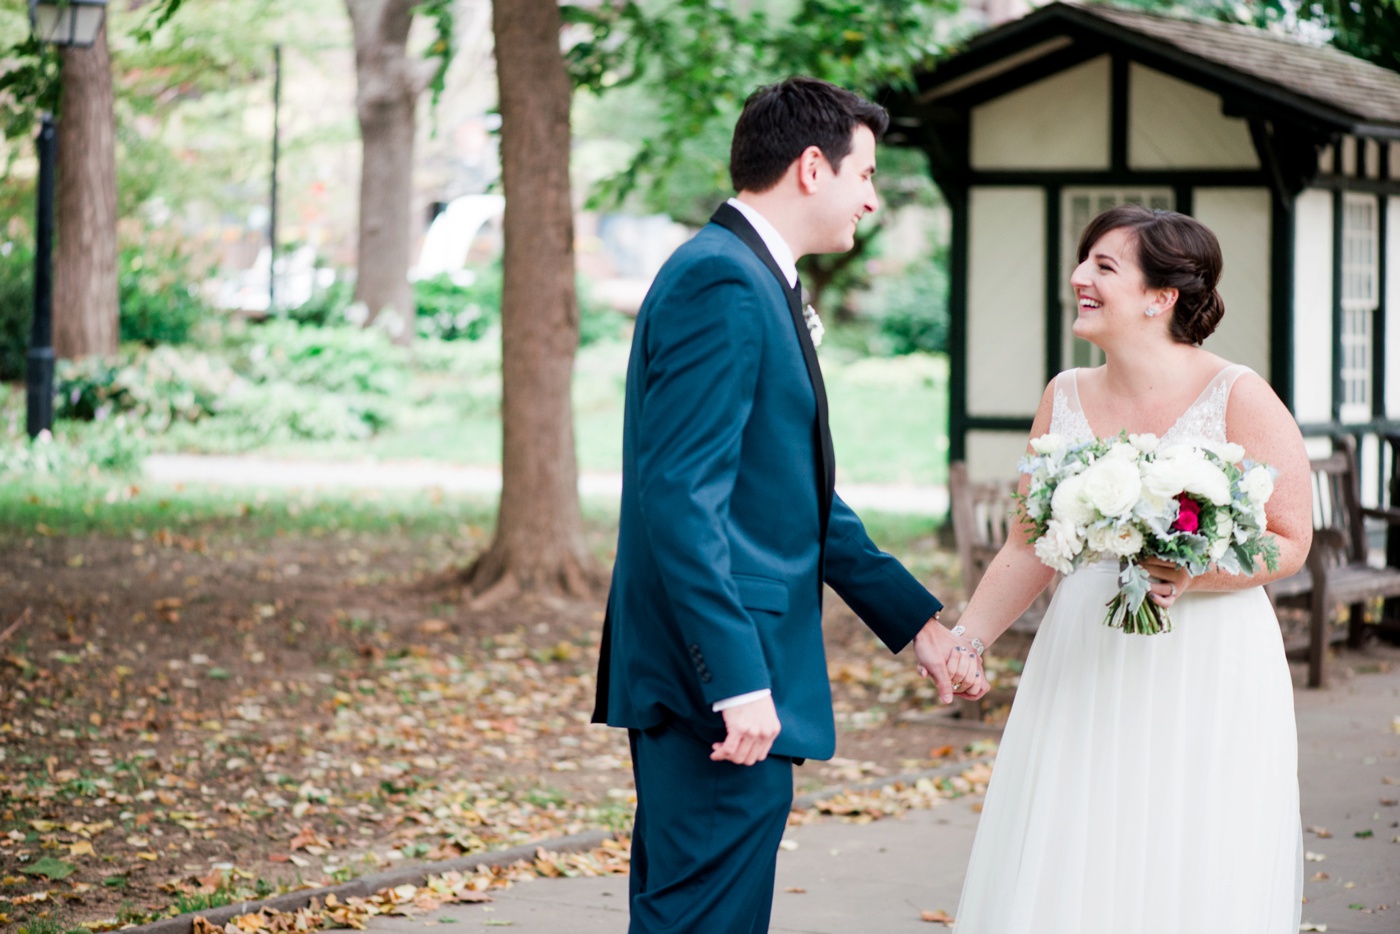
{"x": 740, "y": 699}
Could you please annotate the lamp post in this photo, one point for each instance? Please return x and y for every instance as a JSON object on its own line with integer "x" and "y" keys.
{"x": 73, "y": 23}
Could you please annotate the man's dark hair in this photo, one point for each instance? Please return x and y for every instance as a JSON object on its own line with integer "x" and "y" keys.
{"x": 781, "y": 120}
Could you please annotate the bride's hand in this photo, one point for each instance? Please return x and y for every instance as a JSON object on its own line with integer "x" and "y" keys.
{"x": 1169, "y": 581}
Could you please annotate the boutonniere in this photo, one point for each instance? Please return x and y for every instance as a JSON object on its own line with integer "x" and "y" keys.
{"x": 814, "y": 325}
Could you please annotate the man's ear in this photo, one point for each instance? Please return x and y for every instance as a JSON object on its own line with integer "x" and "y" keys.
{"x": 809, "y": 166}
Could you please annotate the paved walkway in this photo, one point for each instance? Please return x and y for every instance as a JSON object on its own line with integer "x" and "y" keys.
{"x": 879, "y": 877}
{"x": 422, "y": 475}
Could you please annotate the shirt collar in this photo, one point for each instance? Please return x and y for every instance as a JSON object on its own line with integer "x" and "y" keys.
{"x": 777, "y": 246}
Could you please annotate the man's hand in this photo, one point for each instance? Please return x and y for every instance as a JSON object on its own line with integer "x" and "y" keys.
{"x": 949, "y": 661}
{"x": 752, "y": 727}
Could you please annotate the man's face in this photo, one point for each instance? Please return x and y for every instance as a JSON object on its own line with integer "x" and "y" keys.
{"x": 846, "y": 195}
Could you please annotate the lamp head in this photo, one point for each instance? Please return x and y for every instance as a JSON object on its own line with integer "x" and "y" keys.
{"x": 67, "y": 22}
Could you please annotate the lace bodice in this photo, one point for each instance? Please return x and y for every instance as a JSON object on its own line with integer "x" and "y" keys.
{"x": 1203, "y": 420}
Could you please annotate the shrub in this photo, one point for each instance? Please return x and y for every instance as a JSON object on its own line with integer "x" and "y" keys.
{"x": 457, "y": 306}
{"x": 909, "y": 310}
{"x": 155, "y": 387}
{"x": 112, "y": 446}
{"x": 16, "y": 307}
{"x": 159, "y": 300}
{"x": 333, "y": 359}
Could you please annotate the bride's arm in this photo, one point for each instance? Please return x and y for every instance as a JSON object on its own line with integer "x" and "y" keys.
{"x": 1260, "y": 423}
{"x": 1016, "y": 576}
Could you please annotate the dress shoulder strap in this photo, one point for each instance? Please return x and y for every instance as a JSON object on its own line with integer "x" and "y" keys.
{"x": 1067, "y": 416}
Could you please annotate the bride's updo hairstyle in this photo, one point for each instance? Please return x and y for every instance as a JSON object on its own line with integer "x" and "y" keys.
{"x": 1174, "y": 252}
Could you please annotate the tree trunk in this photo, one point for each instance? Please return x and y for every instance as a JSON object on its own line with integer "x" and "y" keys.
{"x": 539, "y": 534}
{"x": 388, "y": 85}
{"x": 85, "y": 307}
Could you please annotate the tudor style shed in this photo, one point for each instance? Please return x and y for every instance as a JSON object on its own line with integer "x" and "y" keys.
{"x": 1289, "y": 152}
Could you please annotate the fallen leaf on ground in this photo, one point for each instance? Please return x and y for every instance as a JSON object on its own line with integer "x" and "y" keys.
{"x": 936, "y": 916}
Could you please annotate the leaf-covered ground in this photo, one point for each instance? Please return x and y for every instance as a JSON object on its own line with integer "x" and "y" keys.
{"x": 198, "y": 711}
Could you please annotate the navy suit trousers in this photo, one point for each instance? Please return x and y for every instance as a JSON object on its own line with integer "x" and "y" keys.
{"x": 705, "y": 843}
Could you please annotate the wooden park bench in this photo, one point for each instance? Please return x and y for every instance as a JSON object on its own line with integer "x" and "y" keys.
{"x": 984, "y": 514}
{"x": 1338, "y": 572}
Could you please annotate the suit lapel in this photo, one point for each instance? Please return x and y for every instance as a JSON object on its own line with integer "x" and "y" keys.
{"x": 729, "y": 218}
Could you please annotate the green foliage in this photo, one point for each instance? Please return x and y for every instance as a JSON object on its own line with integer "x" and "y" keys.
{"x": 699, "y": 59}
{"x": 444, "y": 44}
{"x": 156, "y": 388}
{"x": 1368, "y": 29}
{"x": 334, "y": 359}
{"x": 909, "y": 310}
{"x": 77, "y": 449}
{"x": 159, "y": 301}
{"x": 459, "y": 307}
{"x": 327, "y": 304}
{"x": 16, "y": 307}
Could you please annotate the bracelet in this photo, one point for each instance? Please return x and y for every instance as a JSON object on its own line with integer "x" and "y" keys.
{"x": 977, "y": 645}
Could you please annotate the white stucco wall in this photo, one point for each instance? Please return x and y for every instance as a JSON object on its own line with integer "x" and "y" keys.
{"x": 1172, "y": 124}
{"x": 1060, "y": 122}
{"x": 1005, "y": 300}
{"x": 1240, "y": 219}
{"x": 1312, "y": 307}
{"x": 993, "y": 455}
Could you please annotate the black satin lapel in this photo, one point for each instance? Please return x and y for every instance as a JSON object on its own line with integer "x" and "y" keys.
{"x": 729, "y": 217}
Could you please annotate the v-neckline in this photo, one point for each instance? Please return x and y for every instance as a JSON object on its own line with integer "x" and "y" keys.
{"x": 1210, "y": 384}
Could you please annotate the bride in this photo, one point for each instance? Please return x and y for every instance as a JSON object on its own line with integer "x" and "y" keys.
{"x": 1147, "y": 784}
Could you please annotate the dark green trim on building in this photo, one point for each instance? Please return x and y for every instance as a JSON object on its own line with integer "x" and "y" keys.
{"x": 1337, "y": 209}
{"x": 957, "y": 325}
{"x": 1118, "y": 111}
{"x": 1281, "y": 274}
{"x": 1054, "y": 286}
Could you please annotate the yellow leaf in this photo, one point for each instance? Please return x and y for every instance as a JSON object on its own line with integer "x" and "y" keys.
{"x": 148, "y": 857}
{"x": 81, "y": 848}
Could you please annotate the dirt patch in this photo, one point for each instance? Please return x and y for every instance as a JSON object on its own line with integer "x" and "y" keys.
{"x": 183, "y": 717}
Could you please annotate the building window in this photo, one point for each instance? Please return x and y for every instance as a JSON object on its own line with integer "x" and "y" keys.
{"x": 1078, "y": 208}
{"x": 1360, "y": 300}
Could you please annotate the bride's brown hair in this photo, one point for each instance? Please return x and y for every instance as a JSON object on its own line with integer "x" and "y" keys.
{"x": 1174, "y": 252}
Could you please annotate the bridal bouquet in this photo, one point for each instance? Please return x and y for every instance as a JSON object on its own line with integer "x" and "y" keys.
{"x": 1131, "y": 498}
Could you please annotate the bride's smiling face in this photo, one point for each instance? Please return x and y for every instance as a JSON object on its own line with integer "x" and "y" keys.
{"x": 1109, "y": 287}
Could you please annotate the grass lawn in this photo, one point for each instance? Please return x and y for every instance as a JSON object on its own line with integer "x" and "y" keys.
{"x": 889, "y": 416}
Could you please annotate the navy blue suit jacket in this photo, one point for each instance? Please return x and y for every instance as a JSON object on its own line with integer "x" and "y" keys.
{"x": 729, "y": 521}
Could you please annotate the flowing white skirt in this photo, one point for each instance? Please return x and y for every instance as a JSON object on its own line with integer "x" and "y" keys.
{"x": 1145, "y": 784}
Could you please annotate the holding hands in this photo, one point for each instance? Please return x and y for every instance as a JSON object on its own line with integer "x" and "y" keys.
{"x": 952, "y": 659}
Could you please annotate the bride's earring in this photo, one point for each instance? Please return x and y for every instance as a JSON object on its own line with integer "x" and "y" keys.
{"x": 1150, "y": 311}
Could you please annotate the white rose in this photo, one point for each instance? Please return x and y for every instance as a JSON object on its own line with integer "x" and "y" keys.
{"x": 1166, "y": 477}
{"x": 1258, "y": 485}
{"x": 1046, "y": 443}
{"x": 1229, "y": 452}
{"x": 1123, "y": 451}
{"x": 1113, "y": 485}
{"x": 1069, "y": 504}
{"x": 1127, "y": 541}
{"x": 1118, "y": 540}
{"x": 1058, "y": 546}
{"x": 1146, "y": 443}
{"x": 1206, "y": 479}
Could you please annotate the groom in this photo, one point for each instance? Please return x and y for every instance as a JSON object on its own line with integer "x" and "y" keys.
{"x": 712, "y": 654}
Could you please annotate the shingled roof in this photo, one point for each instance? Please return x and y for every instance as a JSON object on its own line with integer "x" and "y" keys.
{"x": 1318, "y": 80}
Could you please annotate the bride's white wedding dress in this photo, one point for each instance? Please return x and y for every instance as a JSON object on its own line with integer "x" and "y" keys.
{"x": 1145, "y": 784}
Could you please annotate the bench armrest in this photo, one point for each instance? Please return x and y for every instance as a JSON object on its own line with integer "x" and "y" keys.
{"x": 1324, "y": 542}
{"x": 1390, "y": 516}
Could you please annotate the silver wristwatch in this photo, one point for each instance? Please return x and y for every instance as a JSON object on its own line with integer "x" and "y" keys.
{"x": 977, "y": 645}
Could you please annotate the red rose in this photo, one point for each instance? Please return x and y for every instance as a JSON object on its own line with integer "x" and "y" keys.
{"x": 1188, "y": 517}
